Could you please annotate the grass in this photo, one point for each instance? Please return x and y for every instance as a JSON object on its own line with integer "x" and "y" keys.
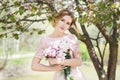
{"x": 87, "y": 69}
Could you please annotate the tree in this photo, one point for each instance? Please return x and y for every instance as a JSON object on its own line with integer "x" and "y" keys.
{"x": 103, "y": 15}
{"x": 17, "y": 16}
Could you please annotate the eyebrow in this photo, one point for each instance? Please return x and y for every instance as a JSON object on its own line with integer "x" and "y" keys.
{"x": 67, "y": 22}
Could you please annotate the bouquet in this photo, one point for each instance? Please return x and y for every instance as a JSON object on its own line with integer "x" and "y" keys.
{"x": 60, "y": 50}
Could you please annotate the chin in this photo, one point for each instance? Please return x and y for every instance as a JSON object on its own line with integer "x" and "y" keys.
{"x": 61, "y": 30}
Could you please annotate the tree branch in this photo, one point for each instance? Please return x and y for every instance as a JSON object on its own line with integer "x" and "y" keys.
{"x": 102, "y": 29}
{"x": 5, "y": 62}
{"x": 48, "y": 4}
{"x": 30, "y": 20}
{"x": 79, "y": 36}
{"x": 99, "y": 47}
{"x": 104, "y": 49}
{"x": 91, "y": 49}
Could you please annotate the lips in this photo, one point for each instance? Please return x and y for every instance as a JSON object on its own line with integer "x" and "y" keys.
{"x": 62, "y": 28}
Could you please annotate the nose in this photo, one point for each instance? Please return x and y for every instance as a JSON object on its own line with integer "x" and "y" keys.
{"x": 64, "y": 24}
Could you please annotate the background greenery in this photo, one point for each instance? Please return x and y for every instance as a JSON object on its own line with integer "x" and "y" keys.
{"x": 19, "y": 36}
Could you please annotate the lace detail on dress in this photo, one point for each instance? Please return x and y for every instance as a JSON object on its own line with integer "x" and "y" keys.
{"x": 41, "y": 47}
{"x": 45, "y": 42}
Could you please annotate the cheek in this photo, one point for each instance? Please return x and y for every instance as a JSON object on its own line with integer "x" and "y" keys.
{"x": 59, "y": 23}
{"x": 68, "y": 26}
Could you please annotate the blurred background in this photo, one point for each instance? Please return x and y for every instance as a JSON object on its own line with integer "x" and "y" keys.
{"x": 23, "y": 23}
{"x": 21, "y": 51}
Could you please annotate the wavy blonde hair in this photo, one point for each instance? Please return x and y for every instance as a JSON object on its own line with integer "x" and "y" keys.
{"x": 62, "y": 13}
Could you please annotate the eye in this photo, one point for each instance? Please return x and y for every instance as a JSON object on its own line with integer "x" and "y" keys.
{"x": 62, "y": 20}
{"x": 68, "y": 23}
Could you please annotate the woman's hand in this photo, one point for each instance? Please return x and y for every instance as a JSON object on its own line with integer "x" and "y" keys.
{"x": 57, "y": 67}
{"x": 52, "y": 61}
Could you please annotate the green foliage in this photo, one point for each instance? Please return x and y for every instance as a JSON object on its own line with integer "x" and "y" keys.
{"x": 17, "y": 3}
{"x": 21, "y": 10}
{"x": 12, "y": 17}
{"x": 1, "y": 35}
{"x": 68, "y": 68}
{"x": 83, "y": 19}
{"x": 19, "y": 61}
{"x": 84, "y": 52}
{"x": 18, "y": 15}
{"x": 105, "y": 13}
{"x": 41, "y": 31}
{"x": 16, "y": 36}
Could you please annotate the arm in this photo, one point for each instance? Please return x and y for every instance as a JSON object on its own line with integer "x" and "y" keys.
{"x": 36, "y": 66}
{"x": 76, "y": 61}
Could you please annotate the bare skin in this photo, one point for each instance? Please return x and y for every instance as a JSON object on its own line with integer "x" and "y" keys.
{"x": 59, "y": 31}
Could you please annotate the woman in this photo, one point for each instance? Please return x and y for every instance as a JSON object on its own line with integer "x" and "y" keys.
{"x": 62, "y": 22}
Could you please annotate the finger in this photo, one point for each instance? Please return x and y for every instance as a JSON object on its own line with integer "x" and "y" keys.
{"x": 64, "y": 67}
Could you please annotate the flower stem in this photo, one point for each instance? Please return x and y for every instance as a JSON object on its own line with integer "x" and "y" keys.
{"x": 68, "y": 68}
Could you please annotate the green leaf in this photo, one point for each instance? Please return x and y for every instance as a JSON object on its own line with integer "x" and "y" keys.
{"x": 39, "y": 14}
{"x": 83, "y": 19}
{"x": 3, "y": 13}
{"x": 22, "y": 10}
{"x": 67, "y": 55}
{"x": 41, "y": 31}
{"x": 16, "y": 12}
{"x": 31, "y": 33}
{"x": 16, "y": 36}
{"x": 17, "y": 3}
{"x": 12, "y": 17}
{"x": 1, "y": 35}
{"x": 32, "y": 14}
{"x": 33, "y": 9}
{"x": 5, "y": 35}
{"x": 71, "y": 78}
{"x": 49, "y": 18}
{"x": 3, "y": 28}
{"x": 4, "y": 4}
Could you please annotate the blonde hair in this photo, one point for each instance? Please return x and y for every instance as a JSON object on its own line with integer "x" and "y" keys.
{"x": 62, "y": 13}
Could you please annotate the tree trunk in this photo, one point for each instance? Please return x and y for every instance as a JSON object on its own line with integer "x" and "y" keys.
{"x": 2, "y": 74}
{"x": 112, "y": 60}
{"x": 100, "y": 72}
{"x": 92, "y": 53}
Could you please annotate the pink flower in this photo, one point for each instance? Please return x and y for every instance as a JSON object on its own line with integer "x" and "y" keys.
{"x": 10, "y": 13}
{"x": 61, "y": 55}
{"x": 53, "y": 53}
{"x": 115, "y": 1}
{"x": 57, "y": 49}
{"x": 27, "y": 7}
{"x": 50, "y": 52}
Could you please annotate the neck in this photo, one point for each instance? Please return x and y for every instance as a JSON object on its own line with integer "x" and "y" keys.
{"x": 58, "y": 34}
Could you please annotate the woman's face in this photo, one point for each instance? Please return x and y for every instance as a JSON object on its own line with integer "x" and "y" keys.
{"x": 63, "y": 23}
